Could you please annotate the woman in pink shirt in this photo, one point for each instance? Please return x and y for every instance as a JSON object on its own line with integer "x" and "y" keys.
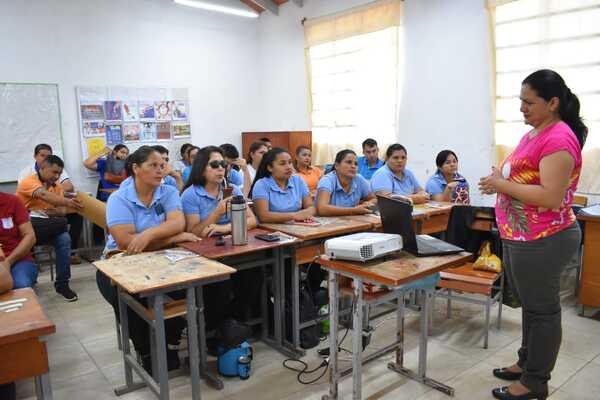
{"x": 535, "y": 187}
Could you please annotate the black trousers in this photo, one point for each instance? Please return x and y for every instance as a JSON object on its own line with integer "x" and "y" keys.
{"x": 533, "y": 270}
{"x": 139, "y": 330}
{"x": 8, "y": 391}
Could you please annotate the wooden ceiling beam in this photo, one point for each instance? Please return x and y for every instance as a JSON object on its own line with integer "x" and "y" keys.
{"x": 268, "y": 5}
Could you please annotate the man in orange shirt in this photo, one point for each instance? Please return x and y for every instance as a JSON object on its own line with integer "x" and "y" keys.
{"x": 43, "y": 196}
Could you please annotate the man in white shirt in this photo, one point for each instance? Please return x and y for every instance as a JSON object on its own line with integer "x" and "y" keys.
{"x": 40, "y": 153}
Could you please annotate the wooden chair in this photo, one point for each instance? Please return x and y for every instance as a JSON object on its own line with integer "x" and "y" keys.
{"x": 43, "y": 255}
{"x": 465, "y": 279}
{"x": 468, "y": 285}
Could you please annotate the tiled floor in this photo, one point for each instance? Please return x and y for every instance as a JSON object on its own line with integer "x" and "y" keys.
{"x": 85, "y": 363}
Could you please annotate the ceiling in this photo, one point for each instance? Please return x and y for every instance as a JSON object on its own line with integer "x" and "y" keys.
{"x": 271, "y": 6}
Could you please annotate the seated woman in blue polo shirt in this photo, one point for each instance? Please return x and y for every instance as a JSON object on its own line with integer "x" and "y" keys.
{"x": 447, "y": 184}
{"x": 278, "y": 194}
{"x": 343, "y": 191}
{"x": 205, "y": 209}
{"x": 394, "y": 178}
{"x": 144, "y": 215}
{"x": 204, "y": 205}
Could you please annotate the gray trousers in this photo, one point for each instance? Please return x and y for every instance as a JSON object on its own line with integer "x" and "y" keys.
{"x": 533, "y": 270}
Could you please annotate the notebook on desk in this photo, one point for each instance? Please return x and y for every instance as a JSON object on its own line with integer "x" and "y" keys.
{"x": 396, "y": 217}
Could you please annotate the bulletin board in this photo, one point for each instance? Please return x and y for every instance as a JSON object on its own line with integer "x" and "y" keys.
{"x": 133, "y": 116}
{"x": 29, "y": 114}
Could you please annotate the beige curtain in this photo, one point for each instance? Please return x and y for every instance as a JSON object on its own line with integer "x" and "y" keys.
{"x": 369, "y": 18}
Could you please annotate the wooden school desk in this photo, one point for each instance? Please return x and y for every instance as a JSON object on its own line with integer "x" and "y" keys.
{"x": 394, "y": 272}
{"x": 428, "y": 218}
{"x": 257, "y": 254}
{"x": 151, "y": 275}
{"x": 22, "y": 353}
{"x": 589, "y": 284}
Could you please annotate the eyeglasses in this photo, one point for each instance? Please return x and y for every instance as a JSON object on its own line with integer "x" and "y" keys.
{"x": 216, "y": 164}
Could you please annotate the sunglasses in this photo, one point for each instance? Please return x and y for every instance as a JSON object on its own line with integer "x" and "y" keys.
{"x": 216, "y": 164}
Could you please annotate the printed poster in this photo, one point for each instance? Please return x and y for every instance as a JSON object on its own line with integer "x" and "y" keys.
{"x": 163, "y": 110}
{"x": 114, "y": 135}
{"x": 146, "y": 110}
{"x": 181, "y": 131}
{"x": 131, "y": 132}
{"x": 92, "y": 111}
{"x": 180, "y": 110}
{"x": 112, "y": 110}
{"x": 163, "y": 131}
{"x": 95, "y": 146}
{"x": 94, "y": 128}
{"x": 148, "y": 132}
{"x": 130, "y": 111}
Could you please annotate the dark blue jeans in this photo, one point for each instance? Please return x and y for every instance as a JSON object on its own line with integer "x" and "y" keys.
{"x": 62, "y": 248}
{"x": 24, "y": 274}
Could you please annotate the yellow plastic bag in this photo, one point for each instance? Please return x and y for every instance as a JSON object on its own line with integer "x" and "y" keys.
{"x": 487, "y": 261}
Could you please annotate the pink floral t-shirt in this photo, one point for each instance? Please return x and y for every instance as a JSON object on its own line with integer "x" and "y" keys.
{"x": 523, "y": 222}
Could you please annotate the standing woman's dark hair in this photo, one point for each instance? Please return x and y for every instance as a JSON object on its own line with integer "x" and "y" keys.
{"x": 138, "y": 157}
{"x": 253, "y": 147}
{"x": 268, "y": 159}
{"x": 442, "y": 157}
{"x": 393, "y": 148}
{"x": 200, "y": 164}
{"x": 339, "y": 157}
{"x": 548, "y": 84}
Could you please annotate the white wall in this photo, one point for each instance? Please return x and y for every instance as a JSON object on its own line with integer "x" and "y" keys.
{"x": 135, "y": 43}
{"x": 445, "y": 101}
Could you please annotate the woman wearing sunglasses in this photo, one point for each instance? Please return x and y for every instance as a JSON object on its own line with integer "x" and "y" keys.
{"x": 205, "y": 207}
{"x": 205, "y": 197}
{"x": 343, "y": 191}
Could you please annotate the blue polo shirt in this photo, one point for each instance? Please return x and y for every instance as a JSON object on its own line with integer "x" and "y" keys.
{"x": 364, "y": 169}
{"x": 359, "y": 189}
{"x": 437, "y": 183}
{"x": 125, "y": 208}
{"x": 385, "y": 180}
{"x": 195, "y": 200}
{"x": 288, "y": 200}
{"x": 170, "y": 181}
{"x": 185, "y": 175}
{"x": 236, "y": 178}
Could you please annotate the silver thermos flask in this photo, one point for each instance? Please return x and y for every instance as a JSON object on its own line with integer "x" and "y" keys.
{"x": 239, "y": 227}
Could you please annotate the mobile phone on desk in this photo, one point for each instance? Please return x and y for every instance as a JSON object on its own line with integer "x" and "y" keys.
{"x": 268, "y": 237}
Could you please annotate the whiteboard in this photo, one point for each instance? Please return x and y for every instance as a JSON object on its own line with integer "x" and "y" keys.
{"x": 29, "y": 114}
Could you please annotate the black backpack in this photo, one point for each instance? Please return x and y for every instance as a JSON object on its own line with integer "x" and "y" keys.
{"x": 309, "y": 336}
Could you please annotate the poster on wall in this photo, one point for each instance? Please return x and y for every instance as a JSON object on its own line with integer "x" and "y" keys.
{"x": 112, "y": 110}
{"x": 114, "y": 135}
{"x": 163, "y": 131}
{"x": 131, "y": 132}
{"x": 148, "y": 132}
{"x": 95, "y": 145}
{"x": 181, "y": 130}
{"x": 94, "y": 128}
{"x": 163, "y": 110}
{"x": 130, "y": 111}
{"x": 180, "y": 110}
{"x": 146, "y": 110}
{"x": 92, "y": 112}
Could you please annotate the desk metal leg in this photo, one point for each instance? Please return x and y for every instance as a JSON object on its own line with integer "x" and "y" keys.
{"x": 333, "y": 337}
{"x": 204, "y": 372}
{"x": 161, "y": 342}
{"x": 264, "y": 310}
{"x": 296, "y": 305}
{"x": 422, "y": 369}
{"x": 278, "y": 268}
{"x": 357, "y": 326}
{"x": 192, "y": 319}
{"x": 125, "y": 339}
{"x": 42, "y": 387}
